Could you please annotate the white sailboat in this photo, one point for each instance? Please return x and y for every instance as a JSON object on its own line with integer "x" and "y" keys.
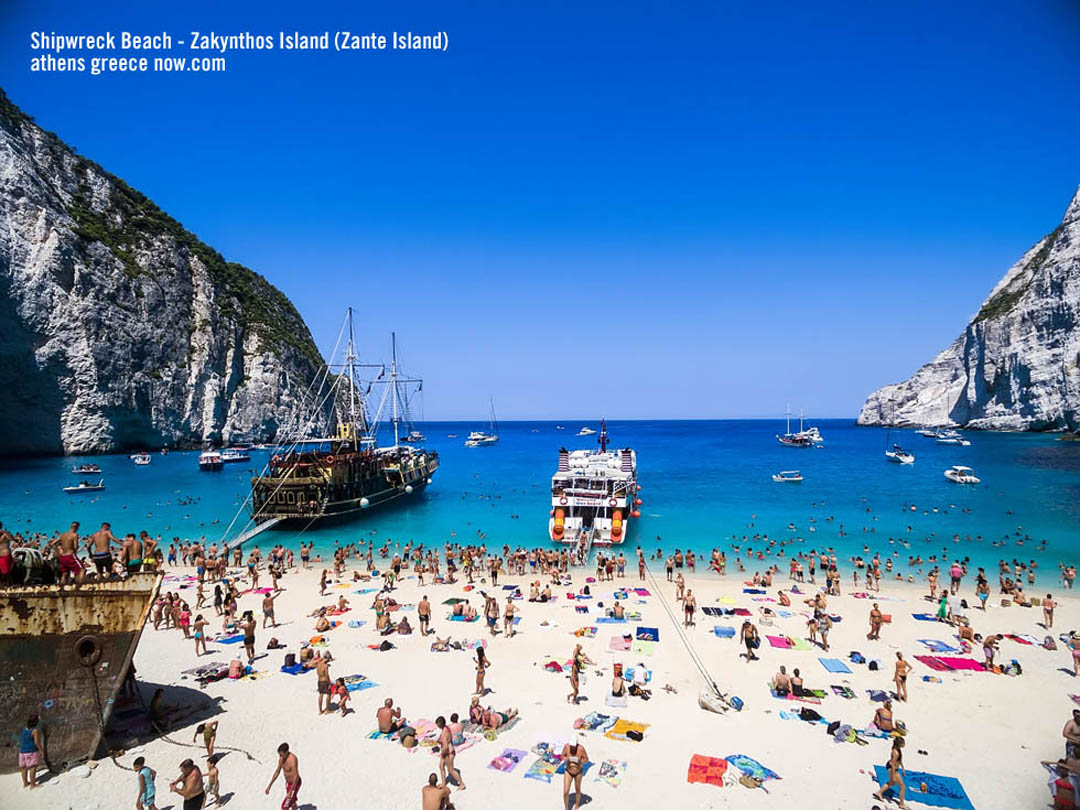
{"x": 480, "y": 439}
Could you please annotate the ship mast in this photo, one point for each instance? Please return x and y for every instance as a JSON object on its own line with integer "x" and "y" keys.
{"x": 394, "y": 383}
{"x": 350, "y": 363}
{"x": 603, "y": 436}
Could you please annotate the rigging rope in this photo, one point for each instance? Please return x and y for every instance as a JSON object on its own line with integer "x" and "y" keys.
{"x": 695, "y": 657}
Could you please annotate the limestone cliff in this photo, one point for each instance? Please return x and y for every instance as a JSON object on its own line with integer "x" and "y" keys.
{"x": 1017, "y": 365}
{"x": 120, "y": 329}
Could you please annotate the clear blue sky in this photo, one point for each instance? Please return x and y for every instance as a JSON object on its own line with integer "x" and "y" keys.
{"x": 630, "y": 210}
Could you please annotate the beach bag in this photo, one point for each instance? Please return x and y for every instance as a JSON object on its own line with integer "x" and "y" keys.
{"x": 635, "y": 735}
{"x": 858, "y": 658}
{"x": 833, "y": 726}
{"x": 290, "y": 659}
{"x": 736, "y": 703}
{"x": 873, "y": 666}
{"x": 749, "y": 781}
{"x": 755, "y": 642}
{"x": 809, "y": 715}
{"x": 386, "y": 645}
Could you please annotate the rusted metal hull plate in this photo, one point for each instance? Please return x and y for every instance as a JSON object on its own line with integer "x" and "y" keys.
{"x": 64, "y": 652}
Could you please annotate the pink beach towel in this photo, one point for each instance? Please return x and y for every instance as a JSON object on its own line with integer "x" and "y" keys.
{"x": 779, "y": 641}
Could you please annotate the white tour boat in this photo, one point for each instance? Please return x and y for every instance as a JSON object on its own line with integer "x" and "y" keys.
{"x": 961, "y": 475}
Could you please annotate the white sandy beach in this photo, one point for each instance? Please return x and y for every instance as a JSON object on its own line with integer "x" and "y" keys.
{"x": 989, "y": 731}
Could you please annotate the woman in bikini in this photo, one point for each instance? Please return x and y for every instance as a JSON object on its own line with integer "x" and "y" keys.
{"x": 577, "y": 666}
{"x": 482, "y": 663}
{"x": 575, "y": 758}
{"x": 895, "y": 769}
{"x": 900, "y": 676}
{"x": 200, "y": 633}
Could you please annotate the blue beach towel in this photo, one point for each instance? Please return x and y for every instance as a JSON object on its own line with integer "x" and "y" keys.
{"x": 648, "y": 634}
{"x": 941, "y": 791}
{"x": 610, "y": 620}
{"x": 229, "y": 639}
{"x": 296, "y": 669}
{"x": 834, "y": 665}
{"x": 938, "y": 646}
{"x": 925, "y": 617}
{"x": 724, "y": 632}
{"x": 355, "y": 623}
{"x": 751, "y": 767}
{"x": 360, "y": 686}
{"x": 754, "y": 590}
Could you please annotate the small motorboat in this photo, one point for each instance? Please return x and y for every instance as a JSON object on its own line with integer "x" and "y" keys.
{"x": 928, "y": 433}
{"x": 586, "y": 431}
{"x": 560, "y": 427}
{"x": 414, "y": 437}
{"x": 86, "y": 486}
{"x": 86, "y": 469}
{"x": 211, "y": 461}
{"x": 899, "y": 455}
{"x": 142, "y": 459}
{"x": 961, "y": 475}
{"x": 234, "y": 455}
{"x": 788, "y": 477}
{"x": 451, "y": 435}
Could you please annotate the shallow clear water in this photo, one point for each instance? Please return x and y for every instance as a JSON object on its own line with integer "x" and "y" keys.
{"x": 704, "y": 482}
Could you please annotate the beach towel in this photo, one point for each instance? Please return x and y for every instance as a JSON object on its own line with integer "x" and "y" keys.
{"x": 711, "y": 611}
{"x": 594, "y": 721}
{"x": 213, "y": 666}
{"x": 778, "y": 641}
{"x": 611, "y": 772}
{"x": 804, "y": 698}
{"x": 296, "y": 669}
{"x": 741, "y": 612}
{"x": 751, "y": 767}
{"x": 462, "y": 618}
{"x": 844, "y": 691}
{"x": 962, "y": 663}
{"x": 725, "y": 600}
{"x": 621, "y": 727}
{"x": 358, "y": 683}
{"x": 941, "y": 791}
{"x": 877, "y": 695}
{"x": 754, "y": 590}
{"x": 357, "y": 623}
{"x": 507, "y": 760}
{"x": 642, "y": 591}
{"x": 801, "y": 645}
{"x": 544, "y": 768}
{"x": 610, "y": 620}
{"x": 724, "y": 632}
{"x": 228, "y": 639}
{"x": 581, "y": 608}
{"x": 932, "y": 662}
{"x": 834, "y": 665}
{"x": 614, "y": 702}
{"x": 643, "y": 647}
{"x": 379, "y": 735}
{"x": 647, "y": 634}
{"x": 619, "y": 644}
{"x": 707, "y": 770}
{"x": 937, "y": 646}
{"x": 925, "y": 617}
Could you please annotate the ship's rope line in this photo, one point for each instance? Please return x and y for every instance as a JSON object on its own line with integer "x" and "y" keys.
{"x": 695, "y": 658}
{"x": 290, "y": 448}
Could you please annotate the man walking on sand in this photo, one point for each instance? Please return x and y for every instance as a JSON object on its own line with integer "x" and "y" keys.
{"x": 322, "y": 669}
{"x": 423, "y": 612}
{"x": 288, "y": 765}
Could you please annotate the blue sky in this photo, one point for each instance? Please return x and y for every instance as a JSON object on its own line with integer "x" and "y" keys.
{"x": 630, "y": 210}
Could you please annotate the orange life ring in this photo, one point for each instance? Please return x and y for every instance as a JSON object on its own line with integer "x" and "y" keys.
{"x": 330, "y": 460}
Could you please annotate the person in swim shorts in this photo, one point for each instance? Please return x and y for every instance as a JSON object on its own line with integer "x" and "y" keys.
{"x": 288, "y": 765}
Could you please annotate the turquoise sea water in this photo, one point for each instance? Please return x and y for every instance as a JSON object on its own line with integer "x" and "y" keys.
{"x": 704, "y": 483}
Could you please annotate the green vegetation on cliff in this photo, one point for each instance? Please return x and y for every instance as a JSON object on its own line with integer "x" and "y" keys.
{"x": 129, "y": 221}
{"x": 1010, "y": 296}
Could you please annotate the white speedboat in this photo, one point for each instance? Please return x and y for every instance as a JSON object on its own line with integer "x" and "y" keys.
{"x": 899, "y": 455}
{"x": 586, "y": 431}
{"x": 479, "y": 438}
{"x": 211, "y": 461}
{"x": 929, "y": 433}
{"x": 86, "y": 469}
{"x": 233, "y": 455}
{"x": 142, "y": 459}
{"x": 788, "y": 477}
{"x": 961, "y": 475}
{"x": 414, "y": 437}
{"x": 955, "y": 441}
{"x": 86, "y": 486}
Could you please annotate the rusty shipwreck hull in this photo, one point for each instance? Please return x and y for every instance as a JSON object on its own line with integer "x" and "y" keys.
{"x": 64, "y": 652}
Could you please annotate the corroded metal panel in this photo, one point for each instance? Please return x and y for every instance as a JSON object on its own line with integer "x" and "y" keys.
{"x": 64, "y": 652}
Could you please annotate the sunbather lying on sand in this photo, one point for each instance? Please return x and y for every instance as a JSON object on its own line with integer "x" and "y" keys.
{"x": 495, "y": 719}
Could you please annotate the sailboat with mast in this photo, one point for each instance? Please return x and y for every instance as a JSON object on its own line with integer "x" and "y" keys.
{"x": 311, "y": 479}
{"x": 801, "y": 439}
{"x": 480, "y": 439}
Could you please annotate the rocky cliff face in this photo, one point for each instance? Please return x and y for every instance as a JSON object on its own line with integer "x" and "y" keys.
{"x": 118, "y": 328}
{"x": 1017, "y": 365}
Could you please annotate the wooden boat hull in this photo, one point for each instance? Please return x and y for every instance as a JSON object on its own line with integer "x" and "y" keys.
{"x": 64, "y": 654}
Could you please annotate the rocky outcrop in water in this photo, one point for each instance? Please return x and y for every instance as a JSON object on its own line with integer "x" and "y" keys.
{"x": 120, "y": 329}
{"x": 1017, "y": 364}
